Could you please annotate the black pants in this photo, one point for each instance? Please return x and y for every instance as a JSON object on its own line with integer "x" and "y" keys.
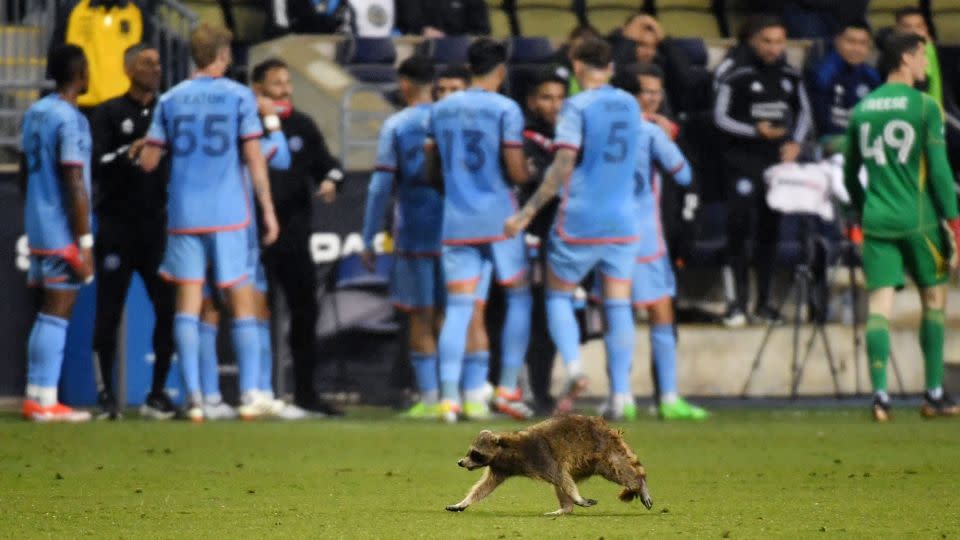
{"x": 121, "y": 249}
{"x": 294, "y": 273}
{"x": 752, "y": 227}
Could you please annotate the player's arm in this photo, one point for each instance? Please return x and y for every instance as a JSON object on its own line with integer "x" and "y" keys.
{"x": 852, "y": 161}
{"x": 668, "y": 155}
{"x": 562, "y": 167}
{"x": 723, "y": 107}
{"x": 514, "y": 161}
{"x": 378, "y": 194}
{"x": 74, "y": 190}
{"x": 156, "y": 139}
{"x": 941, "y": 175}
{"x": 325, "y": 169}
{"x": 257, "y": 165}
{"x": 276, "y": 151}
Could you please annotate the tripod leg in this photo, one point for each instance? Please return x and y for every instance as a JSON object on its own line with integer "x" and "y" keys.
{"x": 798, "y": 375}
{"x": 800, "y": 288}
{"x": 857, "y": 339}
{"x": 757, "y": 359}
{"x": 833, "y": 370}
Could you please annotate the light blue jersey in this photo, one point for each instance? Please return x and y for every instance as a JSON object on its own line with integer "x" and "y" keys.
{"x": 654, "y": 149}
{"x": 597, "y": 204}
{"x": 54, "y": 133}
{"x": 202, "y": 122}
{"x": 470, "y": 129}
{"x": 400, "y": 171}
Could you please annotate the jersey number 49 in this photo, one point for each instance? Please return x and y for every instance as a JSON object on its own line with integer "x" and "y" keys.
{"x": 897, "y": 135}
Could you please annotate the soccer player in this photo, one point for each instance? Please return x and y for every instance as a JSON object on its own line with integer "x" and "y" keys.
{"x": 897, "y": 133}
{"x": 475, "y": 135}
{"x": 210, "y": 124}
{"x": 56, "y": 168}
{"x": 596, "y": 226}
{"x": 453, "y": 78}
{"x": 654, "y": 285}
{"x": 277, "y": 152}
{"x": 416, "y": 280}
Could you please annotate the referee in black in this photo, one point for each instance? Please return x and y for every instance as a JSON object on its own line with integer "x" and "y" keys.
{"x": 130, "y": 206}
{"x": 313, "y": 172}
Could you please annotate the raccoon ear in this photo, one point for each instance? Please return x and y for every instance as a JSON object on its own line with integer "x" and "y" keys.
{"x": 500, "y": 441}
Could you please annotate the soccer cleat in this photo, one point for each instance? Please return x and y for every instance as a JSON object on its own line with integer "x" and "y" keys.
{"x": 476, "y": 410}
{"x": 735, "y": 318}
{"x": 258, "y": 407}
{"x": 421, "y": 411}
{"x": 945, "y": 406}
{"x": 881, "y": 410}
{"x": 316, "y": 406}
{"x": 626, "y": 413}
{"x": 292, "y": 412}
{"x": 218, "y": 411}
{"x": 769, "y": 315}
{"x": 108, "y": 407}
{"x": 682, "y": 410}
{"x": 158, "y": 406}
{"x": 511, "y": 404}
{"x": 57, "y": 412}
{"x": 448, "y": 412}
{"x": 577, "y": 386}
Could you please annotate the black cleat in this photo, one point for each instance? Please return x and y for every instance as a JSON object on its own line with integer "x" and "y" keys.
{"x": 945, "y": 406}
{"x": 108, "y": 407}
{"x": 769, "y": 315}
{"x": 320, "y": 406}
{"x": 881, "y": 410}
{"x": 158, "y": 407}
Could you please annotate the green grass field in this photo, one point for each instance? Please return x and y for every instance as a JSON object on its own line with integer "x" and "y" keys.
{"x": 744, "y": 474}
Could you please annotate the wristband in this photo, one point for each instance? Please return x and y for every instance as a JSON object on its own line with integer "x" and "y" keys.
{"x": 85, "y": 241}
{"x": 335, "y": 175}
{"x": 71, "y": 255}
{"x": 271, "y": 122}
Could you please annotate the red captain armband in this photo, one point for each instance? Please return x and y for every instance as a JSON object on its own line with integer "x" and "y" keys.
{"x": 855, "y": 234}
{"x": 71, "y": 254}
{"x": 954, "y": 226}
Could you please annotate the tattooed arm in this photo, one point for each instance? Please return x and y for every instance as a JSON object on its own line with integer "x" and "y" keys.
{"x": 561, "y": 168}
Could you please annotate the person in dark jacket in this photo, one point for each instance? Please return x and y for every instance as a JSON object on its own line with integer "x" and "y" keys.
{"x": 763, "y": 112}
{"x": 130, "y": 206}
{"x": 841, "y": 79}
{"x": 439, "y": 18}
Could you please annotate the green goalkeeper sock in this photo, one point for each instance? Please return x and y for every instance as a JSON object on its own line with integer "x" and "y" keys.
{"x": 878, "y": 350}
{"x": 931, "y": 341}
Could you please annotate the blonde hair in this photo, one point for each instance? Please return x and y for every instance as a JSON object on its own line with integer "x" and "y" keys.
{"x": 206, "y": 41}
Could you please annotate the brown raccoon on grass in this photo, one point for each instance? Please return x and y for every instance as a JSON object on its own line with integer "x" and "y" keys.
{"x": 561, "y": 451}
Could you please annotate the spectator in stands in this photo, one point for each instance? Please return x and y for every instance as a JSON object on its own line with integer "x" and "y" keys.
{"x": 563, "y": 60}
{"x": 544, "y": 100}
{"x": 288, "y": 261}
{"x": 130, "y": 206}
{"x": 911, "y": 20}
{"x": 763, "y": 112}
{"x": 305, "y": 17}
{"x": 452, "y": 79}
{"x": 439, "y": 18}
{"x": 819, "y": 18}
{"x": 841, "y": 79}
{"x": 104, "y": 29}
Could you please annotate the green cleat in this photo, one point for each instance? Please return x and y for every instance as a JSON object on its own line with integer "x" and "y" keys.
{"x": 476, "y": 410}
{"x": 681, "y": 410}
{"x": 422, "y": 411}
{"x": 630, "y": 412}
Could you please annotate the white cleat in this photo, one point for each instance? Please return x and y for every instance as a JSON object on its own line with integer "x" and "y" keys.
{"x": 218, "y": 411}
{"x": 258, "y": 407}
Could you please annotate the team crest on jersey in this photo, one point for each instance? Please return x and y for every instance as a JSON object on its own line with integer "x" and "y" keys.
{"x": 295, "y": 143}
{"x": 787, "y": 85}
{"x": 111, "y": 262}
{"x": 126, "y": 126}
{"x": 838, "y": 90}
{"x": 744, "y": 187}
{"x": 862, "y": 90}
{"x": 377, "y": 16}
{"x": 756, "y": 87}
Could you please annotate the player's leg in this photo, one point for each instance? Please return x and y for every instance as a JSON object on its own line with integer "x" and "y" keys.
{"x": 741, "y": 224}
{"x": 510, "y": 263}
{"x": 157, "y": 404}
{"x": 884, "y": 271}
{"x": 766, "y": 234}
{"x": 620, "y": 334}
{"x": 541, "y": 352}
{"x": 475, "y": 377}
{"x": 262, "y": 308}
{"x": 462, "y": 266}
{"x": 567, "y": 265}
{"x": 925, "y": 261}
{"x": 114, "y": 268}
{"x": 184, "y": 261}
{"x": 47, "y": 340}
{"x": 413, "y": 284}
{"x": 214, "y": 408}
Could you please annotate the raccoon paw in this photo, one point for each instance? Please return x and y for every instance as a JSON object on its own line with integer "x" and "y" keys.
{"x": 560, "y": 512}
{"x": 587, "y": 503}
{"x": 456, "y": 508}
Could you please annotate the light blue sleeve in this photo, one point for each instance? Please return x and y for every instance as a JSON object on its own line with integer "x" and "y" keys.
{"x": 671, "y": 159}
{"x": 381, "y": 185}
{"x": 569, "y": 127}
{"x": 250, "y": 126}
{"x": 69, "y": 140}
{"x": 157, "y": 134}
{"x": 512, "y": 126}
{"x": 276, "y": 150}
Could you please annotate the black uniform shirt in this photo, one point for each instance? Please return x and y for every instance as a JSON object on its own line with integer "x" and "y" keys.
{"x": 538, "y": 147}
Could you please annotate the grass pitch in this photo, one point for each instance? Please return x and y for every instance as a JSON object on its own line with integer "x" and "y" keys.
{"x": 743, "y": 474}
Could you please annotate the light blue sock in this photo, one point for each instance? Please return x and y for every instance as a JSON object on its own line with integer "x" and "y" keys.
{"x": 246, "y": 346}
{"x": 45, "y": 350}
{"x": 476, "y": 370}
{"x": 564, "y": 329}
{"x": 209, "y": 370}
{"x": 663, "y": 347}
{"x": 425, "y": 371}
{"x": 186, "y": 337}
{"x": 453, "y": 343}
{"x": 266, "y": 356}
{"x": 619, "y": 342}
{"x": 516, "y": 336}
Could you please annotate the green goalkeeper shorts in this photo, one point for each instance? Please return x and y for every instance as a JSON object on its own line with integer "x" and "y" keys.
{"x": 923, "y": 255}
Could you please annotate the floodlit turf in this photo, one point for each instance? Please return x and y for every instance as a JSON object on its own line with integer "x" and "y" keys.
{"x": 742, "y": 474}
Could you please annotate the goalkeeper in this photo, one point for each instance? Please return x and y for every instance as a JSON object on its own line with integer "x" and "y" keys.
{"x": 897, "y": 133}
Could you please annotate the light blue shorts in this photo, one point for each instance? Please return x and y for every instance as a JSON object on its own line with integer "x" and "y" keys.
{"x": 653, "y": 281}
{"x": 507, "y": 259}
{"x": 416, "y": 281}
{"x": 226, "y": 253}
{"x": 52, "y": 272}
{"x": 572, "y": 262}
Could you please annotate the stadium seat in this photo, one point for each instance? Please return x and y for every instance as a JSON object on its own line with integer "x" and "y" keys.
{"x": 608, "y": 15}
{"x": 446, "y": 50}
{"x": 549, "y": 18}
{"x": 368, "y": 59}
{"x": 880, "y": 12}
{"x": 694, "y": 48}
{"x": 688, "y": 18}
{"x": 500, "y": 24}
{"x": 529, "y": 50}
{"x": 946, "y": 20}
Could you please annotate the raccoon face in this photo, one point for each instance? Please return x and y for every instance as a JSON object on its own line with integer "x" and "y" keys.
{"x": 484, "y": 449}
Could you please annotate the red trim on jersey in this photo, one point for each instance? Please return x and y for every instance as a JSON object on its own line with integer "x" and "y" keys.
{"x": 469, "y": 281}
{"x": 561, "y": 280}
{"x": 169, "y": 277}
{"x": 213, "y": 229}
{"x": 385, "y": 168}
{"x": 680, "y": 166}
{"x": 72, "y": 163}
{"x": 514, "y": 278}
{"x": 47, "y": 252}
{"x": 471, "y": 241}
{"x": 272, "y": 153}
{"x": 568, "y": 146}
{"x": 402, "y": 307}
{"x": 512, "y": 144}
{"x": 648, "y": 303}
{"x": 231, "y": 283}
{"x": 156, "y": 142}
{"x": 538, "y": 139}
{"x": 616, "y": 280}
{"x": 250, "y": 136}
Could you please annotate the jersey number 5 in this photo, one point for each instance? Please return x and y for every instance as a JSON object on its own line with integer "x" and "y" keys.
{"x": 897, "y": 135}
{"x": 215, "y": 135}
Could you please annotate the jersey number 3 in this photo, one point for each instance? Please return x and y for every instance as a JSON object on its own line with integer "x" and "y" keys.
{"x": 897, "y": 135}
